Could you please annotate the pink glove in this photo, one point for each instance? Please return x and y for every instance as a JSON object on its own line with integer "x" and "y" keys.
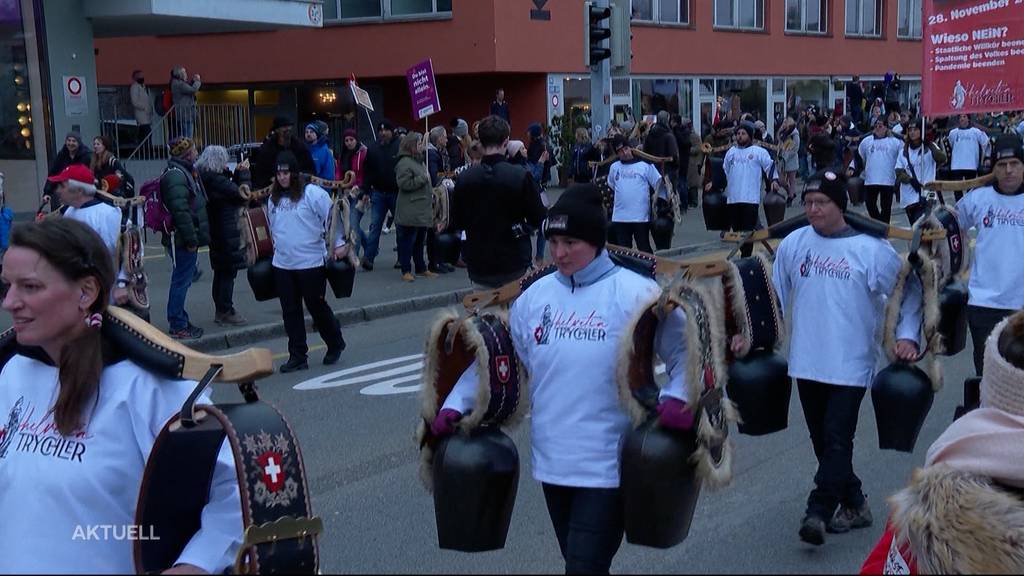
{"x": 675, "y": 414}
{"x": 444, "y": 422}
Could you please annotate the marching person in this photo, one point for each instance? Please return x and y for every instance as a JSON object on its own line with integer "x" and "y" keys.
{"x": 997, "y": 212}
{"x": 828, "y": 270}
{"x": 277, "y": 141}
{"x": 78, "y": 194}
{"x": 224, "y": 202}
{"x": 975, "y": 468}
{"x": 745, "y": 165}
{"x": 77, "y": 429}
{"x": 298, "y": 213}
{"x": 916, "y": 167}
{"x": 970, "y": 146}
{"x": 577, "y": 420}
{"x": 632, "y": 180}
{"x": 879, "y": 151}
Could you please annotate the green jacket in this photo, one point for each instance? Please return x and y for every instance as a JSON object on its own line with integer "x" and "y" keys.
{"x": 185, "y": 199}
{"x": 415, "y": 196}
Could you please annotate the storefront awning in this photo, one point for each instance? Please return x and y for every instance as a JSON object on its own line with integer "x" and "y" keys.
{"x": 168, "y": 17}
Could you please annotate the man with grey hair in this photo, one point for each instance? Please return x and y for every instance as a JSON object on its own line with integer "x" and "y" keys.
{"x": 77, "y": 192}
{"x": 183, "y": 95}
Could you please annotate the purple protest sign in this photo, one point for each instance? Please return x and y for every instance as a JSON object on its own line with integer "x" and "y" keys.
{"x": 423, "y": 90}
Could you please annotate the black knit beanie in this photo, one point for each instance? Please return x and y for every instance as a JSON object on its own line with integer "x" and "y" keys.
{"x": 578, "y": 213}
{"x": 830, "y": 184}
{"x": 1007, "y": 146}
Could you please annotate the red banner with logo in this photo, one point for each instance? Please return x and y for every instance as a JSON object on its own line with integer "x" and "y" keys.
{"x": 973, "y": 56}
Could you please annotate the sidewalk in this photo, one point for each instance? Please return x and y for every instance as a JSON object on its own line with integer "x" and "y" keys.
{"x": 377, "y": 294}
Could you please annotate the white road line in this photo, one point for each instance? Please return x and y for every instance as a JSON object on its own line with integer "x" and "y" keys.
{"x": 335, "y": 379}
{"x": 388, "y": 387}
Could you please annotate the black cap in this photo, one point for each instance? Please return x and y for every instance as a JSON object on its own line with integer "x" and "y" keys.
{"x": 830, "y": 184}
{"x": 281, "y": 122}
{"x": 286, "y": 160}
{"x": 1007, "y": 146}
{"x": 619, "y": 142}
{"x": 385, "y": 124}
{"x": 578, "y": 213}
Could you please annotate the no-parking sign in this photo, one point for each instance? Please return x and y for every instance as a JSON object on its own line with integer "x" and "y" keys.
{"x": 76, "y": 101}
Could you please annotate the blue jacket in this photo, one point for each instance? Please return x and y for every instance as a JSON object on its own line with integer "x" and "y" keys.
{"x": 323, "y": 159}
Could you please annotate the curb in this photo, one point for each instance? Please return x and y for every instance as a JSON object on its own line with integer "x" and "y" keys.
{"x": 347, "y": 316}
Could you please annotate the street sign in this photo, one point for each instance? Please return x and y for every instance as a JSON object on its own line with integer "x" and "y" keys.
{"x": 538, "y": 12}
{"x": 423, "y": 90}
{"x": 76, "y": 102}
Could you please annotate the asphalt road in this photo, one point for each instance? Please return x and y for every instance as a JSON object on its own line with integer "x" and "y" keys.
{"x": 355, "y": 422}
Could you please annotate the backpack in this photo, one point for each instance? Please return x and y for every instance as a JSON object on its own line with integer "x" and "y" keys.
{"x": 155, "y": 215}
{"x": 164, "y": 102}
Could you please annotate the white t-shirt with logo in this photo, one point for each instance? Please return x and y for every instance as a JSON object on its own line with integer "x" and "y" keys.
{"x": 59, "y": 492}
{"x": 924, "y": 168}
{"x": 997, "y": 275}
{"x": 299, "y": 229}
{"x": 632, "y": 183}
{"x": 837, "y": 288}
{"x": 968, "y": 146}
{"x": 743, "y": 169}
{"x": 569, "y": 340}
{"x": 879, "y": 155}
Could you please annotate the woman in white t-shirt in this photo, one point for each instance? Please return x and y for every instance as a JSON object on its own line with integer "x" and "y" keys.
{"x": 77, "y": 426}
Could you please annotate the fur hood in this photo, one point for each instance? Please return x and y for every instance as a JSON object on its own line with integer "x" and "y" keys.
{"x": 957, "y": 522}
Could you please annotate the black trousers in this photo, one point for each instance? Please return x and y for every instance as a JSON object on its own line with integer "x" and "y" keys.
{"x": 224, "y": 290}
{"x": 962, "y": 175}
{"x": 433, "y": 251}
{"x": 295, "y": 287}
{"x": 626, "y": 232}
{"x": 589, "y": 525}
{"x": 831, "y": 412}
{"x": 743, "y": 218}
{"x": 982, "y": 321}
{"x": 872, "y": 195}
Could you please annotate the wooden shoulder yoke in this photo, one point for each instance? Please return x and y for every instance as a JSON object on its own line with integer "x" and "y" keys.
{"x": 152, "y": 349}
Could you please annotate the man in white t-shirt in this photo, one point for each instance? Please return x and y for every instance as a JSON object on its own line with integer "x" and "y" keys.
{"x": 77, "y": 192}
{"x": 879, "y": 151}
{"x": 996, "y": 287}
{"x": 970, "y": 147}
{"x": 916, "y": 167}
{"x": 632, "y": 180}
{"x": 837, "y": 281}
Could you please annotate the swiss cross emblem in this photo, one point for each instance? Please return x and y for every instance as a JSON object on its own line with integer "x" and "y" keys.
{"x": 504, "y": 368}
{"x": 273, "y": 474}
{"x": 955, "y": 242}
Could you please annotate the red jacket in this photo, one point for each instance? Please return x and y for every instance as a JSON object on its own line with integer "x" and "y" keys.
{"x": 887, "y": 558}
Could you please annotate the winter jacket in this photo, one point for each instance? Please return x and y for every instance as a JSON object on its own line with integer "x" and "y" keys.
{"x": 582, "y": 155}
{"x": 437, "y": 163}
{"x": 951, "y": 522}
{"x": 381, "y": 160}
{"x": 182, "y": 193}
{"x": 456, "y": 153}
{"x": 223, "y": 209}
{"x": 265, "y": 159}
{"x": 323, "y": 159}
{"x": 355, "y": 161}
{"x": 661, "y": 142}
{"x": 183, "y": 95}
{"x": 62, "y": 161}
{"x": 142, "y": 103}
{"x": 415, "y": 194}
{"x": 693, "y": 171}
{"x": 491, "y": 202}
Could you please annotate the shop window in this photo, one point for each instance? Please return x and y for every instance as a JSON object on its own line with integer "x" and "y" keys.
{"x": 662, "y": 11}
{"x": 910, "y": 18}
{"x": 738, "y": 97}
{"x": 803, "y": 93}
{"x": 657, "y": 95}
{"x": 376, "y": 9}
{"x": 741, "y": 14}
{"x": 864, "y": 17}
{"x": 807, "y": 16}
{"x": 15, "y": 102}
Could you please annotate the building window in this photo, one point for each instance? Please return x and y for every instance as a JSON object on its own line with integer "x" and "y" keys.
{"x": 362, "y": 9}
{"x": 807, "y": 16}
{"x": 663, "y": 11}
{"x": 743, "y": 14}
{"x": 15, "y": 102}
{"x": 864, "y": 17}
{"x": 910, "y": 19}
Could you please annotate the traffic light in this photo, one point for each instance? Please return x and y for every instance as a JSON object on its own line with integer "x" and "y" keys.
{"x": 622, "y": 38}
{"x": 595, "y": 31}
